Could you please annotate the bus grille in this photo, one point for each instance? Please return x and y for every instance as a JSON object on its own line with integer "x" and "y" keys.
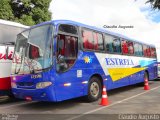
{"x": 25, "y": 84}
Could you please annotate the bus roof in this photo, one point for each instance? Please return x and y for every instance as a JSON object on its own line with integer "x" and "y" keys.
{"x": 56, "y": 22}
{"x": 10, "y": 23}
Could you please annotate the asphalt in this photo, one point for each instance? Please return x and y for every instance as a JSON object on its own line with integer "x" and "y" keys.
{"x": 131, "y": 102}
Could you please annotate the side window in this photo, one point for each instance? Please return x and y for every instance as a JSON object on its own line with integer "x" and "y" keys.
{"x": 109, "y": 43}
{"x": 70, "y": 47}
{"x": 145, "y": 50}
{"x": 148, "y": 51}
{"x": 136, "y": 49}
{"x": 130, "y": 48}
{"x": 113, "y": 44}
{"x": 68, "y": 29}
{"x": 88, "y": 41}
{"x": 67, "y": 48}
{"x": 153, "y": 52}
{"x": 116, "y": 45}
{"x": 140, "y": 49}
{"x": 98, "y": 41}
{"x": 124, "y": 47}
{"x": 60, "y": 44}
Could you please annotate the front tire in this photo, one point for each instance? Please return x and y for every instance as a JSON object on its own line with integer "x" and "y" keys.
{"x": 94, "y": 89}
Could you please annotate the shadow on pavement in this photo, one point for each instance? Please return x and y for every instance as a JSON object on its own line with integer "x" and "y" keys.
{"x": 45, "y": 106}
{"x": 6, "y": 100}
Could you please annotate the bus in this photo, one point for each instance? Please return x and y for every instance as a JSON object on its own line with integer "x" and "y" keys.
{"x": 158, "y": 57}
{"x": 158, "y": 69}
{"x": 8, "y": 33}
{"x": 62, "y": 59}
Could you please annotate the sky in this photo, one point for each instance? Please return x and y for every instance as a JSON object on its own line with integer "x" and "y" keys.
{"x": 145, "y": 21}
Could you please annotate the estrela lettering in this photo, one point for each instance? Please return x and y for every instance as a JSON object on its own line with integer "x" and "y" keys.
{"x": 117, "y": 61}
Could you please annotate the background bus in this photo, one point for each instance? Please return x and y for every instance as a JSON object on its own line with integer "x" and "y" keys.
{"x": 158, "y": 57}
{"x": 159, "y": 69}
{"x": 60, "y": 60}
{"x": 8, "y": 34}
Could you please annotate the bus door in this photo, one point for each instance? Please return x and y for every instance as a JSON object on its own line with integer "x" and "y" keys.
{"x": 68, "y": 84}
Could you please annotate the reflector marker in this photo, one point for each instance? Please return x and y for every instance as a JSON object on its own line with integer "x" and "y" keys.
{"x": 67, "y": 84}
{"x": 84, "y": 82}
{"x": 28, "y": 98}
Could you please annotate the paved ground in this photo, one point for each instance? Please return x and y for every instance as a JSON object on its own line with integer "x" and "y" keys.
{"x": 131, "y": 100}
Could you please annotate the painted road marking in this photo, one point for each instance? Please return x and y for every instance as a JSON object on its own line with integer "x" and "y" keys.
{"x": 3, "y": 98}
{"x": 118, "y": 102}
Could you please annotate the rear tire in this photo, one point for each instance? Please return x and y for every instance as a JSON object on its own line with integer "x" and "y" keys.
{"x": 94, "y": 89}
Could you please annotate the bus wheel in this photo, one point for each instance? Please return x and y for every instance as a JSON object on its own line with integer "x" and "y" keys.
{"x": 94, "y": 89}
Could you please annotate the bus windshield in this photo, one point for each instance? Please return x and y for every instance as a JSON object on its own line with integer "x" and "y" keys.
{"x": 33, "y": 50}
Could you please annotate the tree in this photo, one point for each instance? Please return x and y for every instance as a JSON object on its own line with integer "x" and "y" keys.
{"x": 154, "y": 3}
{"x": 6, "y": 10}
{"x": 41, "y": 12}
{"x": 28, "y": 12}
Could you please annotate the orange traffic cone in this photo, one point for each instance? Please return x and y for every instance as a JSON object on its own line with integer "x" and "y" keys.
{"x": 104, "y": 100}
{"x": 146, "y": 85}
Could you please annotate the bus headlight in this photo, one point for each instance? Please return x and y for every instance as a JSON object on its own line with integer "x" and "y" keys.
{"x": 43, "y": 85}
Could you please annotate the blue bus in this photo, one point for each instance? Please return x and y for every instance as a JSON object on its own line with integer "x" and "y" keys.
{"x": 62, "y": 59}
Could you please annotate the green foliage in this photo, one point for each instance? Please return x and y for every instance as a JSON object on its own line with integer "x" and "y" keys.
{"x": 154, "y": 3}
{"x": 41, "y": 12}
{"x": 5, "y": 10}
{"x": 25, "y": 14}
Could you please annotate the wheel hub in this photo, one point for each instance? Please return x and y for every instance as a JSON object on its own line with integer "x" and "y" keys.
{"x": 94, "y": 90}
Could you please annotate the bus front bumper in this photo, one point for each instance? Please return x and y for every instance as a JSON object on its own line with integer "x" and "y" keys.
{"x": 45, "y": 94}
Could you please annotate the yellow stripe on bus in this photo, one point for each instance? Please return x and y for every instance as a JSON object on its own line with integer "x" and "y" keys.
{"x": 119, "y": 73}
